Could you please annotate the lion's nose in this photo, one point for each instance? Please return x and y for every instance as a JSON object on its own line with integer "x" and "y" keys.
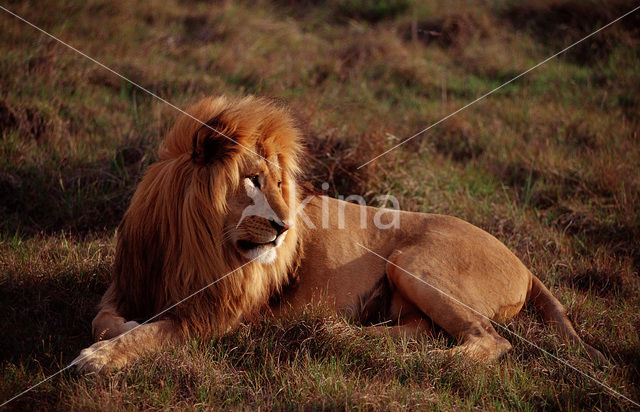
{"x": 279, "y": 226}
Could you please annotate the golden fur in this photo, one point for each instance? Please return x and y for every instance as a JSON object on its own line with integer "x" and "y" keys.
{"x": 184, "y": 230}
{"x": 179, "y": 204}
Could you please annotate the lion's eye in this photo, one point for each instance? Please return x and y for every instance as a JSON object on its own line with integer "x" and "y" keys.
{"x": 255, "y": 179}
{"x": 279, "y": 183}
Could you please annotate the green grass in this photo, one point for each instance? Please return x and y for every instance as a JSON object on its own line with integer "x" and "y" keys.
{"x": 548, "y": 164}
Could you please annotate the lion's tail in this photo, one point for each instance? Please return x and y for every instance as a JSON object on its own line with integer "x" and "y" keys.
{"x": 554, "y": 314}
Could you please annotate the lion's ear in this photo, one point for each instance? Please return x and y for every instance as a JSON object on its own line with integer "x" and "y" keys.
{"x": 211, "y": 142}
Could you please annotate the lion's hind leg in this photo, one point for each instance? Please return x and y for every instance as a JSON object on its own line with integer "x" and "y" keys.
{"x": 411, "y": 326}
{"x": 438, "y": 296}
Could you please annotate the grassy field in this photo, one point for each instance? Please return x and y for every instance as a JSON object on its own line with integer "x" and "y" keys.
{"x": 550, "y": 164}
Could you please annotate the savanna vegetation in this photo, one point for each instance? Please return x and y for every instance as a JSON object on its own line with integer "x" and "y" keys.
{"x": 549, "y": 164}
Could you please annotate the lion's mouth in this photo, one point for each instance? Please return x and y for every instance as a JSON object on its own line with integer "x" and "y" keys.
{"x": 248, "y": 245}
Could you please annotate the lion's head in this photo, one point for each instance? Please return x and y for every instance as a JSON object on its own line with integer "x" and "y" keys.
{"x": 219, "y": 205}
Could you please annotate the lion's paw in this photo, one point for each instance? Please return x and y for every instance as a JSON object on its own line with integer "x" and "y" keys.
{"x": 95, "y": 358}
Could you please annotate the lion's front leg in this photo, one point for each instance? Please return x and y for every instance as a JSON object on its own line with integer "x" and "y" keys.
{"x": 116, "y": 352}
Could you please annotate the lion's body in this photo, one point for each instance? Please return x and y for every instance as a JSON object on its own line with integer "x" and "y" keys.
{"x": 187, "y": 251}
{"x": 455, "y": 257}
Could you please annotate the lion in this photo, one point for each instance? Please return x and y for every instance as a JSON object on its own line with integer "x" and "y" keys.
{"x": 218, "y": 234}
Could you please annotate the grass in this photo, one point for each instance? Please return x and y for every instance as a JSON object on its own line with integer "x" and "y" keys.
{"x": 548, "y": 164}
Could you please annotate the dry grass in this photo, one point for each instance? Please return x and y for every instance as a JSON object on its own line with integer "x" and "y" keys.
{"x": 549, "y": 164}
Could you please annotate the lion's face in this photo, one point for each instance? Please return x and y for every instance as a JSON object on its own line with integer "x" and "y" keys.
{"x": 236, "y": 173}
{"x": 260, "y": 208}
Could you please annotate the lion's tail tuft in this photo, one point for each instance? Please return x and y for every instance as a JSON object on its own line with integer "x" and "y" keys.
{"x": 554, "y": 314}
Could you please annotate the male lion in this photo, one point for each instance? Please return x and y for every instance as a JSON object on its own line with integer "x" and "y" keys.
{"x": 221, "y": 205}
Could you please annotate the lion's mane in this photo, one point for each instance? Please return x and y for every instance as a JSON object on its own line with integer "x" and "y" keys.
{"x": 170, "y": 241}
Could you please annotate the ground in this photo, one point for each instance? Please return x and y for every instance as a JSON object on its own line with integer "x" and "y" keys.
{"x": 549, "y": 164}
